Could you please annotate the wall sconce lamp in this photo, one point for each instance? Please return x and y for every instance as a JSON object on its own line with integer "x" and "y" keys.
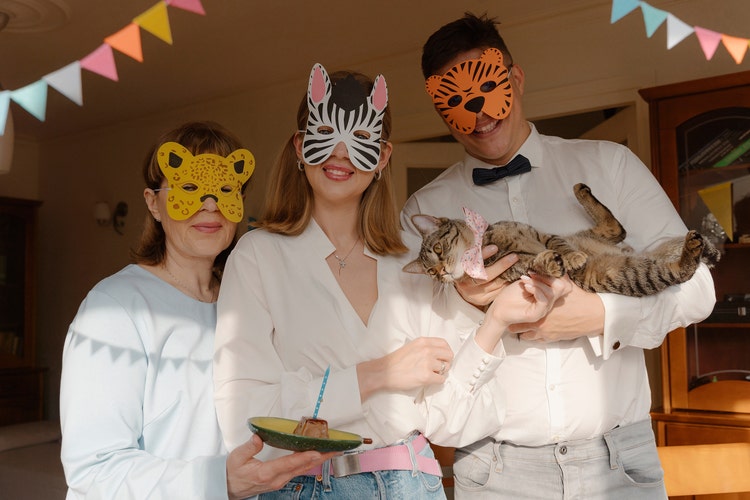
{"x": 104, "y": 216}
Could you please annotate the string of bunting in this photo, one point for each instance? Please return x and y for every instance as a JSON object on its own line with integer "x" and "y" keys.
{"x": 678, "y": 30}
{"x": 67, "y": 80}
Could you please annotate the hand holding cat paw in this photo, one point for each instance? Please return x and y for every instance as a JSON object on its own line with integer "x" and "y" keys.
{"x": 576, "y": 314}
{"x": 524, "y": 301}
{"x": 483, "y": 292}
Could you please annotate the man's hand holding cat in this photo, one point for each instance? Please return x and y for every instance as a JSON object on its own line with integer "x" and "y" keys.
{"x": 577, "y": 314}
{"x": 523, "y": 301}
{"x": 482, "y": 292}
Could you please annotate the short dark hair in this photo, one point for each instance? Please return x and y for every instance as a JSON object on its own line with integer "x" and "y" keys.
{"x": 468, "y": 33}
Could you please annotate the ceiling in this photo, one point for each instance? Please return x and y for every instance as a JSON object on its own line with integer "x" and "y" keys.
{"x": 238, "y": 46}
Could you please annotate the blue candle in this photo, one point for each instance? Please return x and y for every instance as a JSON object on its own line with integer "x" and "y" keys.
{"x": 322, "y": 388}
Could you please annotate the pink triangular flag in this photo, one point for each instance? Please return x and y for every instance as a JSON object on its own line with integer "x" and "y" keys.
{"x": 708, "y": 39}
{"x": 102, "y": 62}
{"x": 189, "y": 5}
{"x": 735, "y": 46}
{"x": 67, "y": 81}
{"x": 127, "y": 41}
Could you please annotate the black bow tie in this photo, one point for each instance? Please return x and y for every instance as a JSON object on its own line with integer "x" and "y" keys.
{"x": 518, "y": 165}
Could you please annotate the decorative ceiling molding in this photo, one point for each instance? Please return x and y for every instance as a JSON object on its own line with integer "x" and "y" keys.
{"x": 35, "y": 16}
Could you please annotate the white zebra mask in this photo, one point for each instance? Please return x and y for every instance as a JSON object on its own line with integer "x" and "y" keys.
{"x": 344, "y": 113}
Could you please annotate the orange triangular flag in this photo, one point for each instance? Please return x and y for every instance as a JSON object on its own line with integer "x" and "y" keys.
{"x": 127, "y": 41}
{"x": 736, "y": 47}
{"x": 156, "y": 21}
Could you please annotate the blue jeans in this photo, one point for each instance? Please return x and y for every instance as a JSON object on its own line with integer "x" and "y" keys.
{"x": 387, "y": 484}
{"x": 622, "y": 464}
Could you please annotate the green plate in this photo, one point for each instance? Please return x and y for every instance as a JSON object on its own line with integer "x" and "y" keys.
{"x": 279, "y": 433}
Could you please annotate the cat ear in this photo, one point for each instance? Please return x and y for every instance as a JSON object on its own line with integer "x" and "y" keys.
{"x": 427, "y": 224}
{"x": 414, "y": 267}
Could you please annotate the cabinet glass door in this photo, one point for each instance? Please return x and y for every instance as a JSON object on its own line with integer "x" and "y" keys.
{"x": 713, "y": 153}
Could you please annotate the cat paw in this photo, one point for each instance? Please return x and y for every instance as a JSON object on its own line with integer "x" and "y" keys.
{"x": 694, "y": 243}
{"x": 549, "y": 263}
{"x": 576, "y": 260}
{"x": 582, "y": 191}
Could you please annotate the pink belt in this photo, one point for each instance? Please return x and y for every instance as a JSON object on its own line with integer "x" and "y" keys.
{"x": 395, "y": 457}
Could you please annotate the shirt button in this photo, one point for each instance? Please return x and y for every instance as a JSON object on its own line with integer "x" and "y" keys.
{"x": 563, "y": 450}
{"x": 616, "y": 345}
{"x": 476, "y": 373}
{"x": 552, "y": 387}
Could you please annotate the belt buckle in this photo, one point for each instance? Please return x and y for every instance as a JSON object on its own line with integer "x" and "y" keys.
{"x": 346, "y": 465}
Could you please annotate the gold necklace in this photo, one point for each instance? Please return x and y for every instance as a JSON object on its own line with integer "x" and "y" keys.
{"x": 342, "y": 262}
{"x": 187, "y": 289}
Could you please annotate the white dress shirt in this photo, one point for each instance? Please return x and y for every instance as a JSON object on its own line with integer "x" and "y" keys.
{"x": 581, "y": 388}
{"x": 283, "y": 319}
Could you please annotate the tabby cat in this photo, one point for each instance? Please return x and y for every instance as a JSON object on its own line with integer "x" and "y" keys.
{"x": 593, "y": 258}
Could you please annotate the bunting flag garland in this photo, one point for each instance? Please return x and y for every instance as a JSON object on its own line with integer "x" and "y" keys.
{"x": 678, "y": 30}
{"x": 101, "y": 61}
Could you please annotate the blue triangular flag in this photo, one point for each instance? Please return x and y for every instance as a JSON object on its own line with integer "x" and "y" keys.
{"x": 652, "y": 17}
{"x": 621, "y": 8}
{"x": 32, "y": 98}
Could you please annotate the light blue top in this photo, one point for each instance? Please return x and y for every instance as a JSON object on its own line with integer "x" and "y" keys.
{"x": 136, "y": 397}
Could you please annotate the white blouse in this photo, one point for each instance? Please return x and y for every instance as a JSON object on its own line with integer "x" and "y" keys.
{"x": 283, "y": 319}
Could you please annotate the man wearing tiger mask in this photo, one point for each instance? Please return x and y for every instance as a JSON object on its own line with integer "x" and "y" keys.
{"x": 575, "y": 384}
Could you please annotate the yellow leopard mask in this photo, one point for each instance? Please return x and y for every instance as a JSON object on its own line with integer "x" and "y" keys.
{"x": 193, "y": 179}
{"x": 470, "y": 87}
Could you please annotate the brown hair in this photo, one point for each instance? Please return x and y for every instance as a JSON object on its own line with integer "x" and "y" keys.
{"x": 289, "y": 200}
{"x": 198, "y": 138}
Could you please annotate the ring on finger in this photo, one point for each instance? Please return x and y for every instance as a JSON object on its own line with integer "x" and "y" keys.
{"x": 442, "y": 368}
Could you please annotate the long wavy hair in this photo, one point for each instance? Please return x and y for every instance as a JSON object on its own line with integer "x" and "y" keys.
{"x": 289, "y": 198}
{"x": 198, "y": 138}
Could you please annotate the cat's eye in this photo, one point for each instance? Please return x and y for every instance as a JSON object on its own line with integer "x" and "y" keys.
{"x": 189, "y": 187}
{"x": 438, "y": 248}
{"x": 488, "y": 86}
{"x": 455, "y": 101}
{"x": 325, "y": 130}
{"x": 361, "y": 134}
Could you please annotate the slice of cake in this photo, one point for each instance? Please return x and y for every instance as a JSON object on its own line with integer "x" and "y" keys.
{"x": 312, "y": 427}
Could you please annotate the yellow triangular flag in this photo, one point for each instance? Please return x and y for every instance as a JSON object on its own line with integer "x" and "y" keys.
{"x": 156, "y": 21}
{"x": 718, "y": 199}
{"x": 127, "y": 41}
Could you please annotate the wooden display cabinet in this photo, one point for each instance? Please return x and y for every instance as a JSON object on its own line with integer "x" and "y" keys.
{"x": 21, "y": 382}
{"x": 700, "y": 143}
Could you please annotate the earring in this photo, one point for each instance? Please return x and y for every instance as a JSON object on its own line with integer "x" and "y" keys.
{"x": 300, "y": 166}
{"x": 157, "y": 220}
{"x": 378, "y": 175}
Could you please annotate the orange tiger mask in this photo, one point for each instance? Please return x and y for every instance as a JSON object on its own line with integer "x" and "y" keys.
{"x": 470, "y": 87}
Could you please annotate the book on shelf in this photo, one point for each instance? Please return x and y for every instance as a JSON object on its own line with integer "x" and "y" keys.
{"x": 714, "y": 150}
{"x": 736, "y": 155}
